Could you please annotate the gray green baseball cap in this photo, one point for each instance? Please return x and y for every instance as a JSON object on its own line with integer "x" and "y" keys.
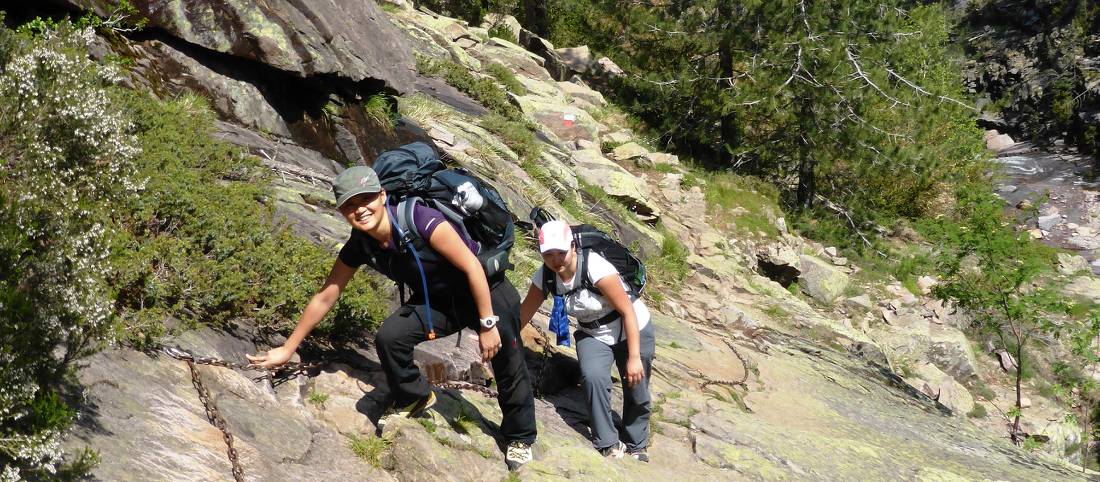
{"x": 354, "y": 181}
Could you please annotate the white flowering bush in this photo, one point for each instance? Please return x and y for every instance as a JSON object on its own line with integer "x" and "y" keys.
{"x": 66, "y": 165}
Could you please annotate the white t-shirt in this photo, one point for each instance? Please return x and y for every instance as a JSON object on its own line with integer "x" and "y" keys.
{"x": 587, "y": 306}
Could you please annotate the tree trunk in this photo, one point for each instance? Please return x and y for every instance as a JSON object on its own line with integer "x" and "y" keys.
{"x": 1087, "y": 419}
{"x": 729, "y": 130}
{"x": 806, "y": 162}
{"x": 536, "y": 17}
{"x": 1019, "y": 378}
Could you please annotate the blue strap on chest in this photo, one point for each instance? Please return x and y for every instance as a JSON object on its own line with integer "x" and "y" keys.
{"x": 407, "y": 241}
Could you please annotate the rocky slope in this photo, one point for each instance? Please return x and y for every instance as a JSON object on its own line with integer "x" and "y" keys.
{"x": 836, "y": 386}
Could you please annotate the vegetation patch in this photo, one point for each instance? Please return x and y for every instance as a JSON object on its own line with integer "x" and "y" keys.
{"x": 483, "y": 90}
{"x": 369, "y": 449}
{"x": 746, "y": 204}
{"x": 317, "y": 398}
{"x": 502, "y": 32}
{"x": 379, "y": 108}
{"x": 518, "y": 136}
{"x": 200, "y": 245}
{"x": 505, "y": 76}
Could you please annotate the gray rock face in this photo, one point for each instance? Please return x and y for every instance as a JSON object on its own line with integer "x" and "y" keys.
{"x": 231, "y": 98}
{"x": 144, "y": 417}
{"x": 354, "y": 40}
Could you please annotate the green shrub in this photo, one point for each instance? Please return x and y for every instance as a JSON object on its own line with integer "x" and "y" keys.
{"x": 483, "y": 90}
{"x": 505, "y": 76}
{"x": 201, "y": 244}
{"x": 516, "y": 135}
{"x": 67, "y": 168}
{"x": 978, "y": 411}
{"x": 428, "y": 424}
{"x": 502, "y": 31}
{"x": 381, "y": 111}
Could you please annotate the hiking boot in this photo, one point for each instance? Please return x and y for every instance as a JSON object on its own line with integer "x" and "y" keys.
{"x": 417, "y": 408}
{"x": 615, "y": 451}
{"x": 518, "y": 453}
{"x": 640, "y": 455}
{"x": 411, "y": 410}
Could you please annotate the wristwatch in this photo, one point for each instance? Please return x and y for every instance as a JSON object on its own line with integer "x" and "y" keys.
{"x": 489, "y": 322}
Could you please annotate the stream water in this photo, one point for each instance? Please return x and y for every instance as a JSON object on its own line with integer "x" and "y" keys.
{"x": 1070, "y": 219}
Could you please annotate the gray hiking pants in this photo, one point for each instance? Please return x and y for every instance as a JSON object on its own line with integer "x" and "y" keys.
{"x": 595, "y": 359}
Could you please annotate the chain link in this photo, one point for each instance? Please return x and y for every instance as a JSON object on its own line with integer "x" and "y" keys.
{"x": 546, "y": 347}
{"x": 467, "y": 386}
{"x": 217, "y": 420}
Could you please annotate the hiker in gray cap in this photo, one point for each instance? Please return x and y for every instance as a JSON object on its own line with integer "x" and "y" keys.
{"x": 460, "y": 296}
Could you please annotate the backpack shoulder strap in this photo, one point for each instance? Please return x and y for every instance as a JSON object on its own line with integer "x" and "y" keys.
{"x": 406, "y": 220}
{"x": 582, "y": 270}
{"x": 549, "y": 284}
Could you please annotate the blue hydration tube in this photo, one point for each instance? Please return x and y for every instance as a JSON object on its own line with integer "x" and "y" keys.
{"x": 419, "y": 267}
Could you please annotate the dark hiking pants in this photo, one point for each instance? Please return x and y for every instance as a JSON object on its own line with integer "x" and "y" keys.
{"x": 451, "y": 312}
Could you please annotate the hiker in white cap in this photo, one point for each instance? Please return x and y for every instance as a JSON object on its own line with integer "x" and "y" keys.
{"x": 612, "y": 328}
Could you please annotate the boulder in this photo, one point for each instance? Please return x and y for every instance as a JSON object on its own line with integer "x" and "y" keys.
{"x": 861, "y": 302}
{"x": 820, "y": 280}
{"x": 583, "y": 92}
{"x": 1084, "y": 286}
{"x": 353, "y": 40}
{"x": 955, "y": 396}
{"x": 904, "y": 296}
{"x": 1072, "y": 263}
{"x": 547, "y": 91}
{"x": 618, "y": 137}
{"x": 925, "y": 284}
{"x": 941, "y": 387}
{"x": 949, "y": 349}
{"x": 608, "y": 68}
{"x": 582, "y": 144}
{"x": 576, "y": 59}
{"x": 615, "y": 181}
{"x": 512, "y": 56}
{"x": 1046, "y": 223}
{"x": 233, "y": 99}
{"x": 541, "y": 47}
{"x": 999, "y": 142}
{"x": 507, "y": 21}
{"x": 659, "y": 158}
{"x": 628, "y": 151}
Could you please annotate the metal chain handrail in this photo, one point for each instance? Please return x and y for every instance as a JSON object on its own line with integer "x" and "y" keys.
{"x": 216, "y": 420}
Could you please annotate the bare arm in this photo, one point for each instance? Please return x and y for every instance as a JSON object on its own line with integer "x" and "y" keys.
{"x": 530, "y": 305}
{"x": 445, "y": 241}
{"x": 314, "y": 312}
{"x": 612, "y": 289}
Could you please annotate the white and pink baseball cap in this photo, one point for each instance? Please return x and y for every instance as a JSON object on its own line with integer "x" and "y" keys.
{"x": 555, "y": 235}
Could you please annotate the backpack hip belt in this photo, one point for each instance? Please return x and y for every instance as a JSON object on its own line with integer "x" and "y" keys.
{"x": 603, "y": 320}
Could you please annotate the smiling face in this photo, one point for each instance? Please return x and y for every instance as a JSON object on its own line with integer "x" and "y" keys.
{"x": 560, "y": 261}
{"x": 366, "y": 211}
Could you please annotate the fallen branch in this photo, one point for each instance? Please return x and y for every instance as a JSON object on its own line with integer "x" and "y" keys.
{"x": 844, "y": 212}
